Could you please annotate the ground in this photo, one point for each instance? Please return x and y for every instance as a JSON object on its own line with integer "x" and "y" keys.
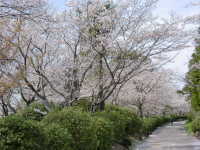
{"x": 170, "y": 137}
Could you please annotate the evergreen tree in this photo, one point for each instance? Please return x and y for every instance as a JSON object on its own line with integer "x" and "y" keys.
{"x": 192, "y": 87}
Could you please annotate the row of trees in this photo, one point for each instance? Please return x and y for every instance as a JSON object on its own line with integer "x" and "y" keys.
{"x": 93, "y": 48}
{"x": 152, "y": 92}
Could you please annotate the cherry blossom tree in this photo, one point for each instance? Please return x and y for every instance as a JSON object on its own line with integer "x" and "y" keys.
{"x": 16, "y": 17}
{"x": 151, "y": 93}
{"x": 93, "y": 48}
{"x": 121, "y": 37}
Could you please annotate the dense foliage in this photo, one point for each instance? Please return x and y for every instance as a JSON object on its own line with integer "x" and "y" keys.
{"x": 192, "y": 87}
{"x": 79, "y": 124}
{"x": 20, "y": 134}
{"x": 33, "y": 112}
{"x": 193, "y": 123}
{"x": 74, "y": 128}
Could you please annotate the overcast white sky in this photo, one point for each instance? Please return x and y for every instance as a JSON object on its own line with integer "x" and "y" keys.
{"x": 182, "y": 8}
{"x": 164, "y": 8}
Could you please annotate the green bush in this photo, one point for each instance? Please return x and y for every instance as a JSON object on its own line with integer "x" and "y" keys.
{"x": 125, "y": 121}
{"x": 104, "y": 133}
{"x": 83, "y": 103}
{"x": 79, "y": 124}
{"x": 75, "y": 128}
{"x": 30, "y": 112}
{"x": 118, "y": 121}
{"x": 57, "y": 137}
{"x": 97, "y": 131}
{"x": 18, "y": 134}
{"x": 189, "y": 127}
{"x": 195, "y": 125}
{"x": 190, "y": 116}
{"x": 148, "y": 126}
{"x": 132, "y": 122}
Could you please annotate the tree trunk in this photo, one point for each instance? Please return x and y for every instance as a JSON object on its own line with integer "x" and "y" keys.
{"x": 100, "y": 98}
{"x": 4, "y": 107}
{"x": 140, "y": 107}
{"x": 75, "y": 89}
{"x": 101, "y": 106}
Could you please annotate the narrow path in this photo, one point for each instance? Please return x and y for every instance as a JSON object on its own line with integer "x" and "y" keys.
{"x": 170, "y": 137}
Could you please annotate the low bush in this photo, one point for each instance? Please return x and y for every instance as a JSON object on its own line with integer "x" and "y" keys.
{"x": 133, "y": 123}
{"x": 149, "y": 124}
{"x": 125, "y": 122}
{"x": 57, "y": 137}
{"x": 195, "y": 125}
{"x": 16, "y": 133}
{"x": 79, "y": 124}
{"x": 188, "y": 126}
{"x": 83, "y": 103}
{"x": 35, "y": 111}
{"x": 75, "y": 128}
{"x": 104, "y": 133}
{"x": 191, "y": 116}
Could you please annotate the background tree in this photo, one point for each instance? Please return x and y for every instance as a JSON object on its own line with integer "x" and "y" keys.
{"x": 192, "y": 88}
{"x": 16, "y": 17}
{"x": 122, "y": 37}
{"x": 151, "y": 93}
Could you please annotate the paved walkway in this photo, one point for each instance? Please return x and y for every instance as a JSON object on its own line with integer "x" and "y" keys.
{"x": 170, "y": 138}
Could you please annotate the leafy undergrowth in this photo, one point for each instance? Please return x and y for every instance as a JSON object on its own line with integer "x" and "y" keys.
{"x": 193, "y": 124}
{"x": 74, "y": 128}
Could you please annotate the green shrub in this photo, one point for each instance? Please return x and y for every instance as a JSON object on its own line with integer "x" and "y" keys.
{"x": 97, "y": 131}
{"x": 124, "y": 121}
{"x": 118, "y": 121}
{"x": 83, "y": 103}
{"x": 148, "y": 126}
{"x": 189, "y": 127}
{"x": 195, "y": 125}
{"x": 55, "y": 107}
{"x": 57, "y": 137}
{"x": 79, "y": 124}
{"x": 75, "y": 128}
{"x": 133, "y": 122}
{"x": 104, "y": 133}
{"x": 16, "y": 133}
{"x": 30, "y": 112}
{"x": 190, "y": 116}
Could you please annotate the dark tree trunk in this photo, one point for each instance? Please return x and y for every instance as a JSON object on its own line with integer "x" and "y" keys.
{"x": 140, "y": 107}
{"x": 101, "y": 102}
{"x": 101, "y": 106}
{"x": 4, "y": 107}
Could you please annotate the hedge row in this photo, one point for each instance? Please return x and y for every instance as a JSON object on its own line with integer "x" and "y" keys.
{"x": 73, "y": 128}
